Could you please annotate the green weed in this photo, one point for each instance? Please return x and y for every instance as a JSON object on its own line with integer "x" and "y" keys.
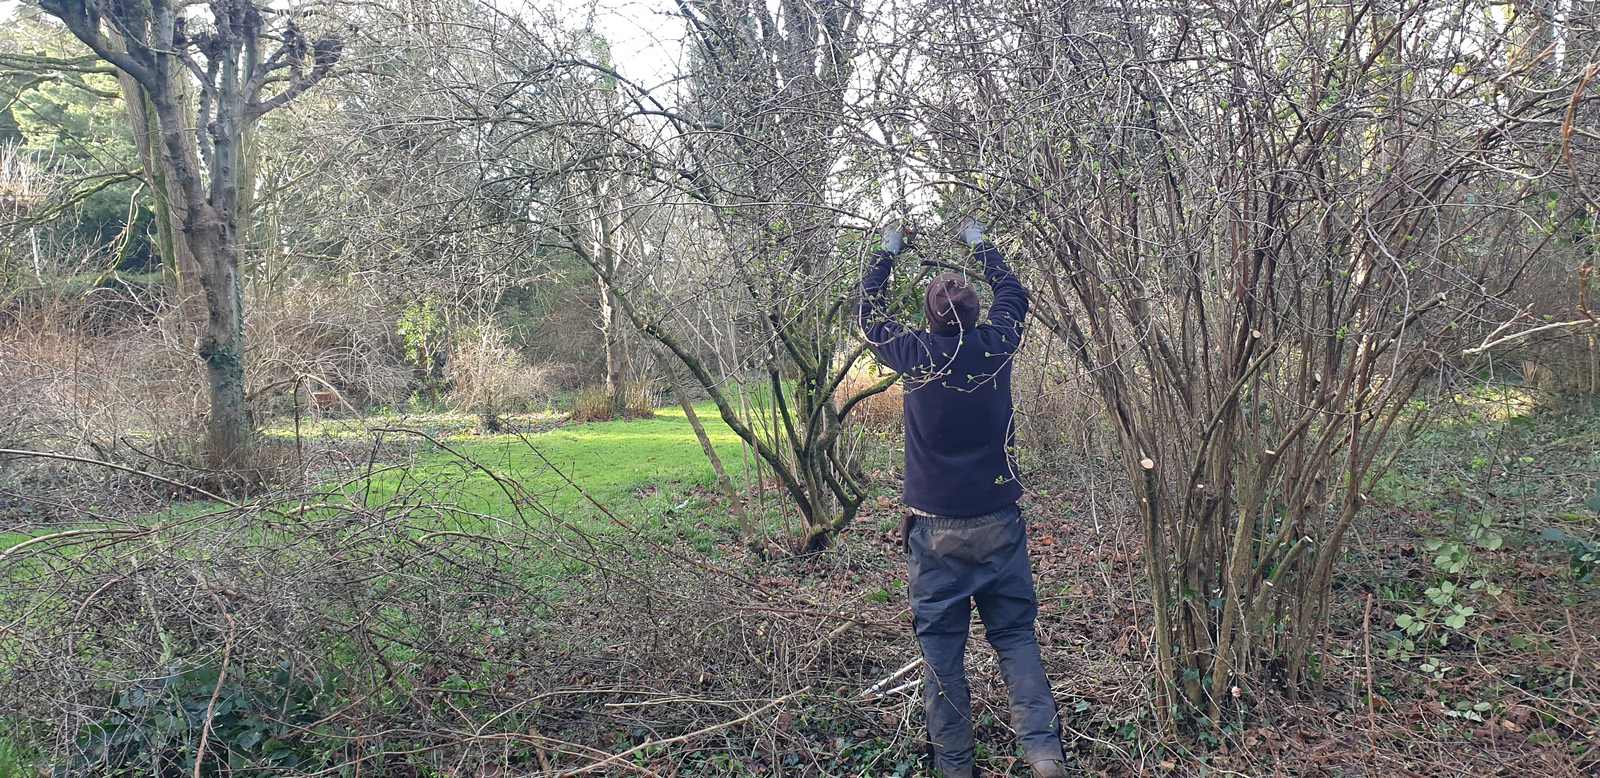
{"x": 13, "y": 762}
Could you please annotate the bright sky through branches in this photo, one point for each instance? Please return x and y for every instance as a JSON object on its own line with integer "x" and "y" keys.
{"x": 646, "y": 36}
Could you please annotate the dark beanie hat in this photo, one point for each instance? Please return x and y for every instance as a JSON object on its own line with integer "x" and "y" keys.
{"x": 951, "y": 306}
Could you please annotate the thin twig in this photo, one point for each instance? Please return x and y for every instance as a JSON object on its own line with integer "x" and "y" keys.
{"x": 222, "y": 676}
{"x": 614, "y": 758}
{"x": 1372, "y": 710}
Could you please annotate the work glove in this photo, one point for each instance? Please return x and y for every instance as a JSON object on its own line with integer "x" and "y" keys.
{"x": 895, "y": 236}
{"x": 970, "y": 231}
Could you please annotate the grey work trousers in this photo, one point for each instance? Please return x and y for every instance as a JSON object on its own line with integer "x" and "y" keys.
{"x": 984, "y": 560}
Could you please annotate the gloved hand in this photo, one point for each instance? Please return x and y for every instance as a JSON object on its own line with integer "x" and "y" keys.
{"x": 969, "y": 230}
{"x": 896, "y": 235}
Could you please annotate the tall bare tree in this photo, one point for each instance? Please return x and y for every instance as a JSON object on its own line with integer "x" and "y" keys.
{"x": 753, "y": 152}
{"x": 1258, "y": 244}
{"x": 245, "y": 60}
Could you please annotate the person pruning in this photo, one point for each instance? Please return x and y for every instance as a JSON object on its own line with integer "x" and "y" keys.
{"x": 963, "y": 532}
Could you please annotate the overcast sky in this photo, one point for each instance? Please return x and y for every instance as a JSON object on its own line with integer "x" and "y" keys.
{"x": 646, "y": 36}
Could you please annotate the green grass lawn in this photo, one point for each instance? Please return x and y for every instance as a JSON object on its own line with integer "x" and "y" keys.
{"x": 610, "y": 461}
{"x": 646, "y": 471}
{"x": 639, "y": 470}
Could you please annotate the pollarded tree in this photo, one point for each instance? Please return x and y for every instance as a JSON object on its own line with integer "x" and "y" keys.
{"x": 245, "y": 59}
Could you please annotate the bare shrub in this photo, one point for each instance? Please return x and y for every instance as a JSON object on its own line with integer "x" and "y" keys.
{"x": 88, "y": 379}
{"x": 155, "y": 360}
{"x": 35, "y": 189}
{"x": 1559, "y": 289}
{"x": 306, "y": 336}
{"x": 80, "y": 393}
{"x": 319, "y": 333}
{"x": 561, "y": 376}
{"x": 77, "y": 394}
{"x": 22, "y": 182}
{"x": 1257, "y": 276}
{"x": 1058, "y": 419}
{"x": 250, "y": 614}
{"x": 488, "y": 376}
{"x": 1549, "y": 334}
{"x": 19, "y": 421}
{"x": 22, "y": 423}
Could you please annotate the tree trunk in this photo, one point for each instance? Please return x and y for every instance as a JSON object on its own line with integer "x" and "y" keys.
{"x": 605, "y": 228}
{"x": 196, "y": 152}
{"x": 197, "y": 244}
{"x": 723, "y": 481}
{"x": 171, "y": 208}
{"x": 611, "y": 331}
{"x": 221, "y": 349}
{"x": 209, "y": 234}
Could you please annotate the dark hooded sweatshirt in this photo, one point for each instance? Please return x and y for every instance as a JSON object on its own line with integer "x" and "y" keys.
{"x": 958, "y": 414}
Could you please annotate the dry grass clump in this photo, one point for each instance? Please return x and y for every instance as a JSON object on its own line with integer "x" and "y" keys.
{"x": 638, "y": 400}
{"x": 1571, "y": 366}
{"x": 592, "y": 403}
{"x": 881, "y": 412}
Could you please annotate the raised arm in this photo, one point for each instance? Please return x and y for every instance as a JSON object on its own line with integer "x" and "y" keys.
{"x": 888, "y": 338}
{"x": 1010, "y": 304}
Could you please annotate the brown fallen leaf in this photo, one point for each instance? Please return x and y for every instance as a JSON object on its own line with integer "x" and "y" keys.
{"x": 1520, "y": 714}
